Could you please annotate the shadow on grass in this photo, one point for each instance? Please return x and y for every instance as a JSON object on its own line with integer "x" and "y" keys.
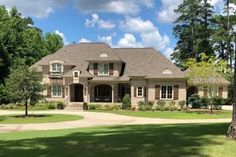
{"x": 31, "y": 116}
{"x": 131, "y": 141}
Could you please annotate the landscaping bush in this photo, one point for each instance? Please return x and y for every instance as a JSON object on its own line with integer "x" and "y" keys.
{"x": 173, "y": 108}
{"x": 141, "y": 103}
{"x": 204, "y": 102}
{"x": 142, "y": 108}
{"x": 161, "y": 103}
{"x": 182, "y": 104}
{"x": 126, "y": 102}
{"x": 150, "y": 103}
{"x": 217, "y": 102}
{"x": 51, "y": 106}
{"x": 194, "y": 101}
{"x": 148, "y": 107}
{"x": 172, "y": 103}
{"x": 159, "y": 108}
{"x": 227, "y": 101}
{"x": 166, "y": 108}
{"x": 92, "y": 107}
{"x": 60, "y": 105}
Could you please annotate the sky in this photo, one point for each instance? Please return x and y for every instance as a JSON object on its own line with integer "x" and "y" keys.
{"x": 120, "y": 23}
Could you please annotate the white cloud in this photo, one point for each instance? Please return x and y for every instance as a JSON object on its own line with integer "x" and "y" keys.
{"x": 113, "y": 6}
{"x": 128, "y": 40}
{"x": 97, "y": 22}
{"x": 36, "y": 8}
{"x": 148, "y": 33}
{"x": 106, "y": 39}
{"x": 137, "y": 25}
{"x": 167, "y": 14}
{"x": 84, "y": 40}
{"x": 62, "y": 36}
{"x": 168, "y": 52}
{"x": 232, "y": 9}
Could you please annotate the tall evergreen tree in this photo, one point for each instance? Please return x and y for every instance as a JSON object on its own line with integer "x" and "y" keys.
{"x": 193, "y": 29}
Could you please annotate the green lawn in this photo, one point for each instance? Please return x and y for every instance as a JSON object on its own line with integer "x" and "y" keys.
{"x": 191, "y": 114}
{"x": 198, "y": 140}
{"x": 45, "y": 118}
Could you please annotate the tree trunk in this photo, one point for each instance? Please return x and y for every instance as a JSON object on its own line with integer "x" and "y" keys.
{"x": 231, "y": 133}
{"x": 26, "y": 108}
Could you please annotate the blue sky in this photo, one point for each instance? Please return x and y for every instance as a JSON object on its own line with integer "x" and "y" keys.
{"x": 120, "y": 23}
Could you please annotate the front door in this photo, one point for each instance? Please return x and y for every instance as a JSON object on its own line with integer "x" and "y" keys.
{"x": 79, "y": 93}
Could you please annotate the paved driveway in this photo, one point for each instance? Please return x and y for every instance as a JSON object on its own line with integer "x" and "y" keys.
{"x": 92, "y": 119}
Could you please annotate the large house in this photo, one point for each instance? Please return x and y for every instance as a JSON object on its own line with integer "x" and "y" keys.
{"x": 95, "y": 72}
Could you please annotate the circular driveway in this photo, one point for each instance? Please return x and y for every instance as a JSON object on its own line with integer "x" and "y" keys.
{"x": 92, "y": 119}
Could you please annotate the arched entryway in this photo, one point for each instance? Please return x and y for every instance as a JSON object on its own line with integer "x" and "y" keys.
{"x": 76, "y": 93}
{"x": 192, "y": 90}
{"x": 103, "y": 93}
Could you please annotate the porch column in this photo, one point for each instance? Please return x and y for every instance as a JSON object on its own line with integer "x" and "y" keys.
{"x": 88, "y": 92}
{"x": 112, "y": 93}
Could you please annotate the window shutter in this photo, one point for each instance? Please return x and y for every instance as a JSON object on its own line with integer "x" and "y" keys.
{"x": 49, "y": 91}
{"x": 221, "y": 91}
{"x": 205, "y": 92}
{"x": 111, "y": 67}
{"x": 157, "y": 92}
{"x": 145, "y": 91}
{"x": 176, "y": 92}
{"x": 63, "y": 91}
{"x": 135, "y": 91}
{"x": 95, "y": 68}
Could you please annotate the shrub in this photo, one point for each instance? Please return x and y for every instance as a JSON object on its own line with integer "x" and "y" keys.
{"x": 227, "y": 101}
{"x": 158, "y": 108}
{"x": 141, "y": 103}
{"x": 204, "y": 101}
{"x": 92, "y": 107}
{"x": 60, "y": 105}
{"x": 217, "y": 102}
{"x": 194, "y": 101}
{"x": 114, "y": 107}
{"x": 126, "y": 102}
{"x": 172, "y": 103}
{"x": 148, "y": 107}
{"x": 166, "y": 108}
{"x": 161, "y": 103}
{"x": 185, "y": 108}
{"x": 51, "y": 106}
{"x": 182, "y": 104}
{"x": 142, "y": 108}
{"x": 150, "y": 103}
{"x": 173, "y": 108}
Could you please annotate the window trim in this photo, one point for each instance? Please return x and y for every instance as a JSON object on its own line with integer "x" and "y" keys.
{"x": 102, "y": 74}
{"x": 52, "y": 92}
{"x": 140, "y": 96}
{"x": 56, "y": 71}
{"x": 172, "y": 93}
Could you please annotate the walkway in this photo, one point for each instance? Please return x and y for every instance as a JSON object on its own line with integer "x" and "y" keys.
{"x": 92, "y": 119}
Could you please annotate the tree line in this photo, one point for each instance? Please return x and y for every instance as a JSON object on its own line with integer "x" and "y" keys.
{"x": 21, "y": 42}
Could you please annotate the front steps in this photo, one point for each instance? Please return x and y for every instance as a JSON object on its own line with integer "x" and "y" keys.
{"x": 74, "y": 106}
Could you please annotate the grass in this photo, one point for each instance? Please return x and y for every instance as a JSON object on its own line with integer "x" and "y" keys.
{"x": 191, "y": 114}
{"x": 198, "y": 140}
{"x": 45, "y": 118}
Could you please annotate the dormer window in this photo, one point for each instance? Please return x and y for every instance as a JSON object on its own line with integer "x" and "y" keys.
{"x": 76, "y": 74}
{"x": 103, "y": 69}
{"x": 56, "y": 68}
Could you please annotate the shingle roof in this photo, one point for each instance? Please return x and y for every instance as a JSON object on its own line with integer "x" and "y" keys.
{"x": 138, "y": 61}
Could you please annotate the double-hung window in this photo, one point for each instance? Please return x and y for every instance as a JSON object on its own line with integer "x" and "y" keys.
{"x": 103, "y": 69}
{"x": 140, "y": 91}
{"x": 166, "y": 92}
{"x": 56, "y": 68}
{"x": 56, "y": 91}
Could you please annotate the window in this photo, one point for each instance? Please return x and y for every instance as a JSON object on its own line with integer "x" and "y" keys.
{"x": 76, "y": 74}
{"x": 103, "y": 69}
{"x": 56, "y": 91}
{"x": 140, "y": 91}
{"x": 166, "y": 92}
{"x": 56, "y": 68}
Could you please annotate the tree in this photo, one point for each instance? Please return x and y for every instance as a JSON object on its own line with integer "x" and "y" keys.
{"x": 23, "y": 86}
{"x": 205, "y": 73}
{"x": 193, "y": 28}
{"x": 4, "y": 63}
{"x": 53, "y": 42}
